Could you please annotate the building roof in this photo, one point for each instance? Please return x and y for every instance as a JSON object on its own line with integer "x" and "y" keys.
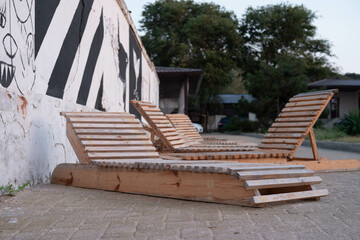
{"x": 170, "y": 70}
{"x": 172, "y": 79}
{"x": 234, "y": 98}
{"x": 341, "y": 84}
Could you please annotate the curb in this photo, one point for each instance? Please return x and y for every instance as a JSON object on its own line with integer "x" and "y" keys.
{"x": 339, "y": 146}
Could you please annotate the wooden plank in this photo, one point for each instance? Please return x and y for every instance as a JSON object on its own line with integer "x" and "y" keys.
{"x": 124, "y": 148}
{"x": 301, "y": 109}
{"x": 289, "y": 196}
{"x": 262, "y": 167}
{"x": 155, "y": 114}
{"x": 294, "y": 119}
{"x": 309, "y": 98}
{"x": 328, "y": 92}
{"x": 280, "y": 140}
{"x": 119, "y": 155}
{"x": 291, "y": 124}
{"x": 297, "y": 114}
{"x": 97, "y": 114}
{"x": 151, "y": 109}
{"x": 251, "y": 175}
{"x": 287, "y": 130}
{"x": 173, "y": 184}
{"x": 283, "y": 182}
{"x": 277, "y": 146}
{"x": 284, "y": 135}
{"x": 107, "y": 126}
{"x": 305, "y": 103}
{"x": 110, "y": 131}
{"x": 116, "y": 143}
{"x": 168, "y": 125}
{"x": 102, "y": 120}
{"x": 113, "y": 137}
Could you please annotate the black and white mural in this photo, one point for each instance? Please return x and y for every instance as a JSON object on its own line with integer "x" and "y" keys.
{"x": 84, "y": 51}
{"x": 17, "y": 44}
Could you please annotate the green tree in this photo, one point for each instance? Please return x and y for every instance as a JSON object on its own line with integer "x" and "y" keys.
{"x": 281, "y": 55}
{"x": 194, "y": 35}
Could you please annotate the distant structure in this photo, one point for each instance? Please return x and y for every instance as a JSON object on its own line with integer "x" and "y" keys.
{"x": 177, "y": 85}
{"x": 347, "y": 99}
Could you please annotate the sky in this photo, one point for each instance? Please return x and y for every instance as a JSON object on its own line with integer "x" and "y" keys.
{"x": 338, "y": 21}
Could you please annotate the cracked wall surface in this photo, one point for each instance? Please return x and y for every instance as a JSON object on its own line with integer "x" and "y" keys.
{"x": 63, "y": 55}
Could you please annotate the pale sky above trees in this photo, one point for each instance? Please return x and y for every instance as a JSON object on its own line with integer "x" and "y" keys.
{"x": 338, "y": 22}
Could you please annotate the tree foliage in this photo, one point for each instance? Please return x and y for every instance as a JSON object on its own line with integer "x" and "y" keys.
{"x": 193, "y": 35}
{"x": 281, "y": 55}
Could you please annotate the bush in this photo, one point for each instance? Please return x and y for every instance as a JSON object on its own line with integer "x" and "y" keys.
{"x": 242, "y": 125}
{"x": 351, "y": 123}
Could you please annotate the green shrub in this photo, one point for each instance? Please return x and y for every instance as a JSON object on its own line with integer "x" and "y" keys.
{"x": 351, "y": 123}
{"x": 242, "y": 125}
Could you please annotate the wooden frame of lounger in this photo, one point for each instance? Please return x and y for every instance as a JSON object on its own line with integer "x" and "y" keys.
{"x": 115, "y": 154}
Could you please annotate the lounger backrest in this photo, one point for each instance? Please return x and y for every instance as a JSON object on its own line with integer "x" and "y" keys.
{"x": 160, "y": 124}
{"x": 107, "y": 136}
{"x": 295, "y": 121}
{"x": 183, "y": 124}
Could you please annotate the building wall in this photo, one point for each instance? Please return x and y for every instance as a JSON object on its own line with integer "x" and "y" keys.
{"x": 348, "y": 101}
{"x": 67, "y": 55}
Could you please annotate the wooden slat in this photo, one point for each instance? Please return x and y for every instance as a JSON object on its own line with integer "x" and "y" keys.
{"x": 294, "y": 119}
{"x": 102, "y": 120}
{"x": 321, "y": 92}
{"x": 107, "y": 126}
{"x": 168, "y": 125}
{"x": 119, "y": 155}
{"x": 309, "y": 98}
{"x": 251, "y": 175}
{"x": 287, "y": 130}
{"x": 301, "y": 109}
{"x": 277, "y": 146}
{"x": 113, "y": 137}
{"x": 284, "y": 135}
{"x": 155, "y": 114}
{"x": 120, "y": 149}
{"x": 280, "y": 140}
{"x": 292, "y": 124}
{"x": 282, "y": 182}
{"x": 110, "y": 131}
{"x": 232, "y": 170}
{"x": 306, "y": 103}
{"x": 116, "y": 143}
{"x": 298, "y": 114}
{"x": 152, "y": 109}
{"x": 289, "y": 196}
{"x": 97, "y": 114}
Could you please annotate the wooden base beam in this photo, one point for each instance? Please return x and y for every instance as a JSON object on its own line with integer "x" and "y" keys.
{"x": 207, "y": 187}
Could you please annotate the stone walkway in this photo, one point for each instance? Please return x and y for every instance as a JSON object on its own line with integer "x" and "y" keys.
{"x": 58, "y": 212}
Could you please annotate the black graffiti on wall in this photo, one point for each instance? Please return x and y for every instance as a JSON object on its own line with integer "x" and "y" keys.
{"x": 15, "y": 15}
{"x": 135, "y": 71}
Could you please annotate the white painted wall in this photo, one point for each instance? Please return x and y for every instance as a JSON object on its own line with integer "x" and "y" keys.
{"x": 32, "y": 132}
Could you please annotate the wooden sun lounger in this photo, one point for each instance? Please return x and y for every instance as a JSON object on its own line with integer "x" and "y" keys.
{"x": 283, "y": 139}
{"x": 173, "y": 141}
{"x": 115, "y": 154}
{"x": 184, "y": 126}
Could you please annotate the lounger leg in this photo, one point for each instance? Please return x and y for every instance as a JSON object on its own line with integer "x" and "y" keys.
{"x": 313, "y": 144}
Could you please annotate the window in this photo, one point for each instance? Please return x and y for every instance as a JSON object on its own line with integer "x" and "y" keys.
{"x": 334, "y": 107}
